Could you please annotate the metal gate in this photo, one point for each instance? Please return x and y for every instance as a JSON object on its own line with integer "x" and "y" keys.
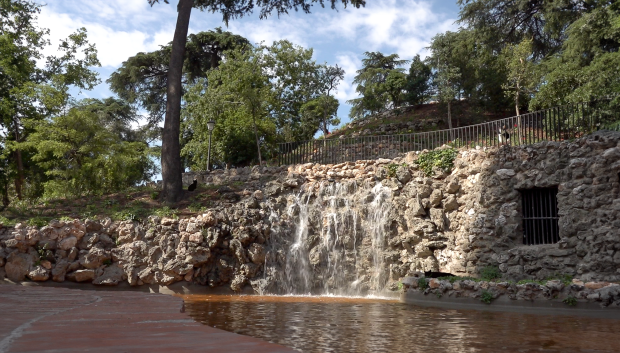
{"x": 540, "y": 216}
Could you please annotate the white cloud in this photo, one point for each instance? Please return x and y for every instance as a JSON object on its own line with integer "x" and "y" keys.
{"x": 122, "y": 28}
{"x": 387, "y": 25}
{"x": 350, "y": 63}
{"x": 113, "y": 31}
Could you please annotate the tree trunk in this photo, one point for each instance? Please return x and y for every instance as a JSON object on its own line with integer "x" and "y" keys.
{"x": 325, "y": 117}
{"x": 171, "y": 168}
{"x": 450, "y": 120}
{"x": 518, "y": 115}
{"x": 260, "y": 159}
{"x": 517, "y": 100}
{"x": 19, "y": 182}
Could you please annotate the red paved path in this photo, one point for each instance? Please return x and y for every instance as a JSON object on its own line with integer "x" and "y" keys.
{"x": 43, "y": 319}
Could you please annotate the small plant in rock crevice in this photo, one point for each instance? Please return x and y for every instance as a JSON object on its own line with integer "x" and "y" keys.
{"x": 490, "y": 273}
{"x": 392, "y": 168}
{"x": 422, "y": 284}
{"x": 486, "y": 297}
{"x": 570, "y": 301}
{"x": 441, "y": 158}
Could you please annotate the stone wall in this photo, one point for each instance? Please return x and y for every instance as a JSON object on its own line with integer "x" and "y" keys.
{"x": 457, "y": 222}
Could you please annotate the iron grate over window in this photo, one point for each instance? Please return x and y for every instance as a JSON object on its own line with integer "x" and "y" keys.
{"x": 540, "y": 216}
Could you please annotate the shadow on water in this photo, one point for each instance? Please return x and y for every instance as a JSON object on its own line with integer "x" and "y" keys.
{"x": 336, "y": 324}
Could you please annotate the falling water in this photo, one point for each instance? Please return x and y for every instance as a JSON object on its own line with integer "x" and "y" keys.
{"x": 334, "y": 239}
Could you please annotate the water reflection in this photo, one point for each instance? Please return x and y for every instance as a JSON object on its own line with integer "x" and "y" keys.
{"x": 324, "y": 324}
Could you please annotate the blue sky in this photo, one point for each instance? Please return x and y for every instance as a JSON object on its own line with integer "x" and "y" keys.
{"x": 122, "y": 28}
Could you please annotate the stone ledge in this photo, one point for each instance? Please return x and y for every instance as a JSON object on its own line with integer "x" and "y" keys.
{"x": 542, "y": 307}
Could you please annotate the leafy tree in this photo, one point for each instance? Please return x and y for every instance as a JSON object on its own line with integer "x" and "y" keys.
{"x": 446, "y": 80}
{"x": 29, "y": 93}
{"x": 82, "y": 153}
{"x": 118, "y": 117}
{"x": 588, "y": 66}
{"x": 321, "y": 112}
{"x": 230, "y": 9}
{"x": 326, "y": 106}
{"x": 276, "y": 92}
{"x": 418, "y": 82}
{"x": 372, "y": 84}
{"x": 295, "y": 80}
{"x": 521, "y": 72}
{"x": 143, "y": 78}
{"x": 233, "y": 142}
{"x": 238, "y": 90}
{"x": 510, "y": 22}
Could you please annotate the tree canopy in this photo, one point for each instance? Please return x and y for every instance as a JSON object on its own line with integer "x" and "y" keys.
{"x": 260, "y": 95}
{"x": 142, "y": 79}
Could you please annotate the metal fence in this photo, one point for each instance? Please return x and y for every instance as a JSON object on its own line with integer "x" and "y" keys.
{"x": 560, "y": 123}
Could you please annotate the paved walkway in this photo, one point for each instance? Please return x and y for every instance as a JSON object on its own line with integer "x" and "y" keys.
{"x": 44, "y": 319}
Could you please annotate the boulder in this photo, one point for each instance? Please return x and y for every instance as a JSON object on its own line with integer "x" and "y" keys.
{"x": 414, "y": 208}
{"x": 402, "y": 174}
{"x": 505, "y": 173}
{"x": 18, "y": 266}
{"x": 147, "y": 275}
{"x": 436, "y": 197}
{"x": 257, "y": 253}
{"x": 453, "y": 187}
{"x": 198, "y": 257}
{"x": 82, "y": 275}
{"x": 60, "y": 270}
{"x": 68, "y": 243}
{"x": 111, "y": 276}
{"x": 450, "y": 203}
{"x": 39, "y": 274}
{"x": 438, "y": 218}
{"x": 94, "y": 258}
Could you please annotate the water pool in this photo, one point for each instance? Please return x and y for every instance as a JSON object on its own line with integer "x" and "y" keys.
{"x": 336, "y": 324}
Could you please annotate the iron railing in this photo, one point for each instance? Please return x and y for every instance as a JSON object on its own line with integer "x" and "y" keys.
{"x": 560, "y": 123}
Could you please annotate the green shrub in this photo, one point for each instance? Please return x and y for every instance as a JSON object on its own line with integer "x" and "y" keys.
{"x": 391, "y": 170}
{"x": 486, "y": 297}
{"x": 490, "y": 273}
{"x": 166, "y": 212}
{"x": 154, "y": 195}
{"x": 422, "y": 283}
{"x": 37, "y": 222}
{"x": 194, "y": 207}
{"x": 570, "y": 301}
{"x": 125, "y": 216}
{"x": 441, "y": 158}
{"x": 7, "y": 222}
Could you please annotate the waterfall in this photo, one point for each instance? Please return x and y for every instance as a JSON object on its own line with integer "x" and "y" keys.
{"x": 331, "y": 239}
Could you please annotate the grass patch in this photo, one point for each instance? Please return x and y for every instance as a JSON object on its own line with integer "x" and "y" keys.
{"x": 166, "y": 212}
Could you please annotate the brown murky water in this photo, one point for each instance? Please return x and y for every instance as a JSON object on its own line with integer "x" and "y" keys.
{"x": 326, "y": 324}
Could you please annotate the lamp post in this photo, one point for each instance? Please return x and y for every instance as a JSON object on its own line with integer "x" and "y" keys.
{"x": 210, "y": 126}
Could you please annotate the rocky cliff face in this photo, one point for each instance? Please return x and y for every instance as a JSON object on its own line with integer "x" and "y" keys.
{"x": 353, "y": 227}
